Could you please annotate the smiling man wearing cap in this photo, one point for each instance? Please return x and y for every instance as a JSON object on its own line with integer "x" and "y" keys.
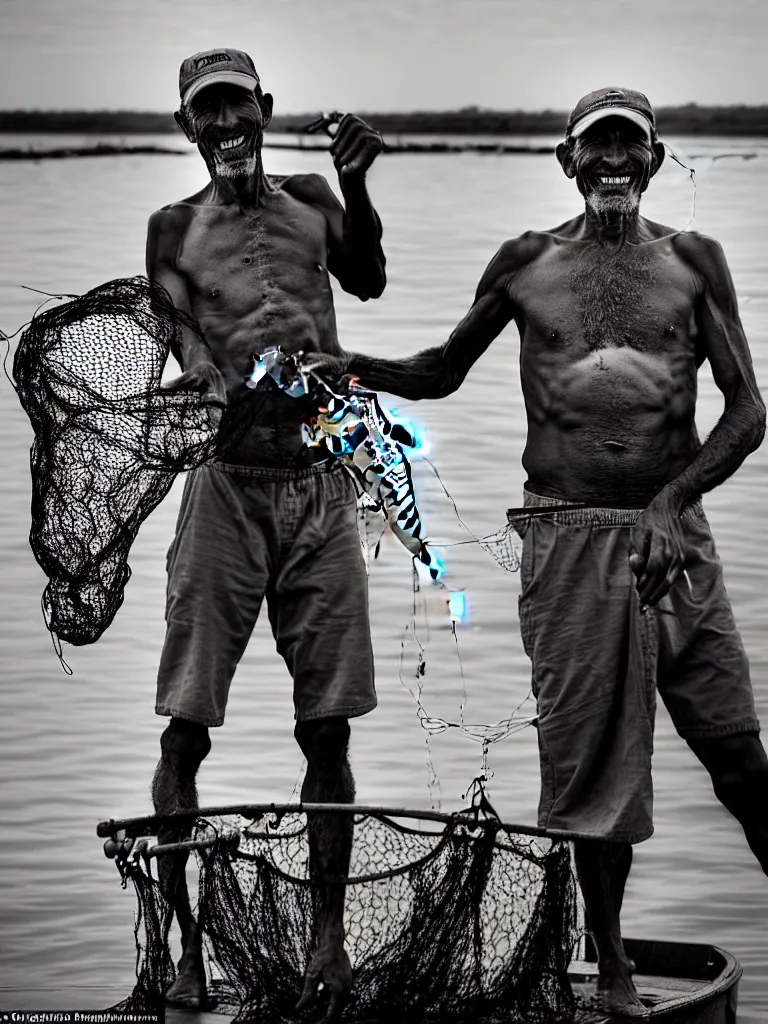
{"x": 249, "y": 257}
{"x": 622, "y": 591}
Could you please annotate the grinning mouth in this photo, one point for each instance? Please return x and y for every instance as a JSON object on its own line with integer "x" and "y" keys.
{"x": 232, "y": 143}
{"x": 622, "y": 179}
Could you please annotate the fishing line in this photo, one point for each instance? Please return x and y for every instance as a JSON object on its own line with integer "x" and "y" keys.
{"x": 7, "y": 338}
{"x": 692, "y": 174}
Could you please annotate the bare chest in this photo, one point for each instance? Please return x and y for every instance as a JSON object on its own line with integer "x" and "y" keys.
{"x": 234, "y": 259}
{"x": 580, "y": 299}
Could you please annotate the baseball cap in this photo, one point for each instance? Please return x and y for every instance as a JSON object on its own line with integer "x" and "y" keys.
{"x": 232, "y": 67}
{"x": 612, "y": 102}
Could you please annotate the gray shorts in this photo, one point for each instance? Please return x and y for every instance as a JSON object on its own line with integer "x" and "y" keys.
{"x": 245, "y": 533}
{"x": 598, "y": 662}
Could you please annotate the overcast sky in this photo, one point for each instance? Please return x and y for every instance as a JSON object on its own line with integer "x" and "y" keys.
{"x": 387, "y": 54}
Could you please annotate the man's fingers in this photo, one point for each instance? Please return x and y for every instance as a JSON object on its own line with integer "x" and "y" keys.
{"x": 355, "y": 144}
{"x": 349, "y": 125}
{"x": 335, "y": 1006}
{"x": 662, "y": 573}
{"x": 663, "y": 587}
{"x": 656, "y": 567}
{"x": 346, "y": 154}
{"x": 637, "y": 564}
{"x": 358, "y": 156}
{"x": 309, "y": 992}
{"x": 343, "y": 129}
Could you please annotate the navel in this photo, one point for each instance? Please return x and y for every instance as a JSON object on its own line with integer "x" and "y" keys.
{"x": 615, "y": 446}
{"x": 215, "y": 293}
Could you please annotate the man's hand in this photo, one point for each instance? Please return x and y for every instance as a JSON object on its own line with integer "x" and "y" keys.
{"x": 355, "y": 146}
{"x": 657, "y": 550}
{"x": 329, "y": 368}
{"x": 330, "y": 968}
{"x": 203, "y": 377}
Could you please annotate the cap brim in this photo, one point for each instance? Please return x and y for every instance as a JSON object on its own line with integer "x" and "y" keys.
{"x": 614, "y": 110}
{"x": 239, "y": 78}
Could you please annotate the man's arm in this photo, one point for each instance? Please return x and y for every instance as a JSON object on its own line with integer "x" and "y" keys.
{"x": 193, "y": 355}
{"x": 659, "y": 554}
{"x": 437, "y": 372}
{"x": 355, "y": 256}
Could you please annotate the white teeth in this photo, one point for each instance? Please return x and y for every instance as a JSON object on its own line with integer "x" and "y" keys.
{"x": 623, "y": 180}
{"x": 231, "y": 143}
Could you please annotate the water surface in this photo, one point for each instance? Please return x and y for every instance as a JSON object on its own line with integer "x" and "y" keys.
{"x": 77, "y": 750}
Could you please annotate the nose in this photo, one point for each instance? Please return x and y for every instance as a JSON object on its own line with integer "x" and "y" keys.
{"x": 617, "y": 147}
{"x": 225, "y": 115}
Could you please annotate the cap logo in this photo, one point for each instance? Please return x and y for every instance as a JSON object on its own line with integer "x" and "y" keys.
{"x": 212, "y": 58}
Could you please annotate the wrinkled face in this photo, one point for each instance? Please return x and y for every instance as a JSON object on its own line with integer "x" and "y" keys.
{"x": 228, "y": 125}
{"x": 613, "y": 161}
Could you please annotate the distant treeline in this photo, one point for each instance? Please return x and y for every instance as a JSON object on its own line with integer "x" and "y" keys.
{"x": 687, "y": 120}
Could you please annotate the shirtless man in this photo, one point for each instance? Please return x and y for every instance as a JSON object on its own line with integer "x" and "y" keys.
{"x": 615, "y": 315}
{"x": 249, "y": 257}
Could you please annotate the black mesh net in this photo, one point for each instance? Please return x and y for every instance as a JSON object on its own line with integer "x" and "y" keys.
{"x": 457, "y": 921}
{"x": 109, "y": 440}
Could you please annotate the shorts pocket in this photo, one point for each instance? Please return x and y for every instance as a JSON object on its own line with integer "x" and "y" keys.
{"x": 524, "y": 601}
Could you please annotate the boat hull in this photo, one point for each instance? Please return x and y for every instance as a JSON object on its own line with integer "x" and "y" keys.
{"x": 680, "y": 982}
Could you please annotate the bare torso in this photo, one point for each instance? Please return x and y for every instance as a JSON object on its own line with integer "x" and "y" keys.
{"x": 256, "y": 278}
{"x": 608, "y": 367}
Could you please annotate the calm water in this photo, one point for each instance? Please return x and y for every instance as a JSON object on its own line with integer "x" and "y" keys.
{"x": 77, "y": 750}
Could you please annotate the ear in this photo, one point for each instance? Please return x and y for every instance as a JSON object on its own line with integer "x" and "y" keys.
{"x": 266, "y": 107}
{"x": 659, "y": 153}
{"x": 564, "y": 154}
{"x": 183, "y": 121}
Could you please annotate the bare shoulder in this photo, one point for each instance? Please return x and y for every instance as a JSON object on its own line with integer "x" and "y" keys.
{"x": 312, "y": 189}
{"x": 173, "y": 219}
{"x": 516, "y": 253}
{"x": 704, "y": 254}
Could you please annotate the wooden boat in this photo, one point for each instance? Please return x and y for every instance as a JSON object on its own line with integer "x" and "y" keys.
{"x": 681, "y": 983}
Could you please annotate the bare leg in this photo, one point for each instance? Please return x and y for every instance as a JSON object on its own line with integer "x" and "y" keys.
{"x": 738, "y": 767}
{"x": 324, "y": 743}
{"x": 603, "y": 869}
{"x": 183, "y": 746}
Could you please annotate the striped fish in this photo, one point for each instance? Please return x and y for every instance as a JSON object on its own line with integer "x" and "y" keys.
{"x": 356, "y": 430}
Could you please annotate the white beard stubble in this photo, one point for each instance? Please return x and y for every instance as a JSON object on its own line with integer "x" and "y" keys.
{"x": 231, "y": 169}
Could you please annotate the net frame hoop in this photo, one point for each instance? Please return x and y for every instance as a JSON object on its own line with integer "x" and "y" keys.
{"x": 137, "y": 827}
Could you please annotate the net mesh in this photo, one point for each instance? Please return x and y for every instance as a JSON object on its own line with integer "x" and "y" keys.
{"x": 109, "y": 440}
{"x": 459, "y": 922}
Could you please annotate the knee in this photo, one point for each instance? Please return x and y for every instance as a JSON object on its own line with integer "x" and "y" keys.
{"x": 323, "y": 739}
{"x": 185, "y": 745}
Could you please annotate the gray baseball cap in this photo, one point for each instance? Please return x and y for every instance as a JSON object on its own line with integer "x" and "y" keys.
{"x": 231, "y": 67}
{"x": 612, "y": 102}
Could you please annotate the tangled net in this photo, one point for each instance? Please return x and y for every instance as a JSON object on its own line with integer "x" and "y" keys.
{"x": 109, "y": 441}
{"x": 451, "y": 918}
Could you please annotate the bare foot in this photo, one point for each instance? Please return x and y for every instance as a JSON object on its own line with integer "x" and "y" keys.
{"x": 189, "y": 989}
{"x": 617, "y": 994}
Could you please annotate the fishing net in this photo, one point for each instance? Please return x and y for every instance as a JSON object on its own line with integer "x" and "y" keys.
{"x": 109, "y": 440}
{"x": 451, "y": 919}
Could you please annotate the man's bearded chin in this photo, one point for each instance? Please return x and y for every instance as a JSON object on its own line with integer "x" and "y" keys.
{"x": 222, "y": 169}
{"x": 615, "y": 212}
{"x": 231, "y": 170}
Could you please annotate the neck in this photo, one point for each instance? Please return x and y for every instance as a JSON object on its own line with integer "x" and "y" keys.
{"x": 247, "y": 188}
{"x": 613, "y": 226}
